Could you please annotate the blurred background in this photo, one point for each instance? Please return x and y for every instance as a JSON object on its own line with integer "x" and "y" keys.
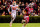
{"x": 34, "y": 6}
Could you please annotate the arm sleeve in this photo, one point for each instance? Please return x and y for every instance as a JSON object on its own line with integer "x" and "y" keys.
{"x": 8, "y": 9}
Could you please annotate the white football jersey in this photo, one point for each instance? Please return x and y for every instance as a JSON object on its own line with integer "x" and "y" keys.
{"x": 13, "y": 8}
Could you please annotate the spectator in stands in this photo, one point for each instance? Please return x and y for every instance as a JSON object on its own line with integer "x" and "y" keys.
{"x": 31, "y": 10}
{"x": 37, "y": 2}
{"x": 3, "y": 14}
{"x": 5, "y": 3}
{"x": 30, "y": 1}
{"x": 36, "y": 13}
{"x": 27, "y": 4}
{"x": 6, "y": 11}
{"x": 19, "y": 3}
{"x": 0, "y": 10}
{"x": 0, "y": 2}
{"x": 19, "y": 11}
{"x": 34, "y": 3}
{"x": 35, "y": 6}
{"x": 23, "y": 5}
{"x": 3, "y": 8}
{"x": 39, "y": 11}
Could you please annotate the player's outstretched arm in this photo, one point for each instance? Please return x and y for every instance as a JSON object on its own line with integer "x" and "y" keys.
{"x": 9, "y": 10}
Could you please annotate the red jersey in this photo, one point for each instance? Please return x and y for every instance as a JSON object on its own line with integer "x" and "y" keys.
{"x": 27, "y": 9}
{"x": 30, "y": 10}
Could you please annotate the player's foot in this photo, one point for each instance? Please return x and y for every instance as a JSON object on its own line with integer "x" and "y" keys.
{"x": 22, "y": 26}
{"x": 10, "y": 24}
{"x": 22, "y": 22}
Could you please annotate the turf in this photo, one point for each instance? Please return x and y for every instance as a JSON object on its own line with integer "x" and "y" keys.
{"x": 20, "y": 25}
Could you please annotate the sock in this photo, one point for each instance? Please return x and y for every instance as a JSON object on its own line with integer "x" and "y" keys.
{"x": 11, "y": 23}
{"x": 23, "y": 26}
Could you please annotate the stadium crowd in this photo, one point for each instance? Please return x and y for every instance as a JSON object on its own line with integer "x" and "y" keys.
{"x": 33, "y": 6}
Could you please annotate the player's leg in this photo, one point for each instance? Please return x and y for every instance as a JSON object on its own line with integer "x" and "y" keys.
{"x": 12, "y": 19}
{"x": 11, "y": 22}
{"x": 25, "y": 23}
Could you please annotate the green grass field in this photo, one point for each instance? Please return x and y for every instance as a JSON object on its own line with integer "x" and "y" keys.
{"x": 20, "y": 25}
